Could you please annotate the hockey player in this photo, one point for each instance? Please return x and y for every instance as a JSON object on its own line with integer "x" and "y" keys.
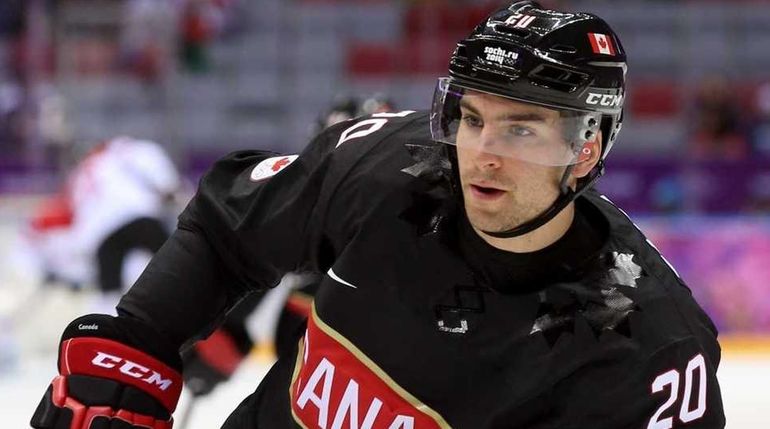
{"x": 348, "y": 107}
{"x": 473, "y": 277}
{"x": 111, "y": 212}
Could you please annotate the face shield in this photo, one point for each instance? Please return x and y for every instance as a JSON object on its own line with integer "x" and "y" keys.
{"x": 470, "y": 118}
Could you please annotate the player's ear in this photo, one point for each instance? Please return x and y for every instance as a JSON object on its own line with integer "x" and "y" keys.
{"x": 588, "y": 157}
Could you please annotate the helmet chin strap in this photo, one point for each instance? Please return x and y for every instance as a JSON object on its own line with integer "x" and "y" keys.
{"x": 566, "y": 196}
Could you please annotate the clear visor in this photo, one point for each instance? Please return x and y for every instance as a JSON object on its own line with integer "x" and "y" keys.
{"x": 486, "y": 122}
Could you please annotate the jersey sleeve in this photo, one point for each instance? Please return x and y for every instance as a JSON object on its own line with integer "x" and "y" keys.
{"x": 673, "y": 387}
{"x": 254, "y": 217}
{"x": 262, "y": 213}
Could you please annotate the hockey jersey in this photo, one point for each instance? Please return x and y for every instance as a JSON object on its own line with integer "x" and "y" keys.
{"x": 406, "y": 331}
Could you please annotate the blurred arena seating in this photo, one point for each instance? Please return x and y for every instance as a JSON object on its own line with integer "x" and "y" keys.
{"x": 263, "y": 78}
{"x": 278, "y": 63}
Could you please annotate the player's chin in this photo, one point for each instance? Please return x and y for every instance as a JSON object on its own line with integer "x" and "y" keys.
{"x": 486, "y": 220}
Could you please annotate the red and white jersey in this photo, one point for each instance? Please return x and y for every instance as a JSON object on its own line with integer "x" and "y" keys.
{"x": 121, "y": 180}
{"x": 118, "y": 181}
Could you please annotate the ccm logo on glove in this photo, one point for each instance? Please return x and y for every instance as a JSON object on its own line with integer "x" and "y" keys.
{"x": 101, "y": 357}
{"x": 131, "y": 369}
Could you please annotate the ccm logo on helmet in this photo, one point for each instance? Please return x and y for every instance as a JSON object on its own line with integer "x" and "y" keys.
{"x": 131, "y": 369}
{"x": 607, "y": 100}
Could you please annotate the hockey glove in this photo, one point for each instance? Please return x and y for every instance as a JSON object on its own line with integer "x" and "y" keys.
{"x": 115, "y": 373}
{"x": 213, "y": 360}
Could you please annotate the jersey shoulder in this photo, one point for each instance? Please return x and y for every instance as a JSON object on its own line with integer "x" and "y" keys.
{"x": 362, "y": 132}
{"x": 251, "y": 199}
{"x": 368, "y": 155}
{"x": 640, "y": 340}
{"x": 629, "y": 243}
{"x": 664, "y": 310}
{"x": 372, "y": 170}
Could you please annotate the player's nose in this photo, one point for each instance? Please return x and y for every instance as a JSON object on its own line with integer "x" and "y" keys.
{"x": 484, "y": 155}
{"x": 487, "y": 160}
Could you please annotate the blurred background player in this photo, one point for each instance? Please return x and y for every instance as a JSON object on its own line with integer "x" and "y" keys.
{"x": 345, "y": 107}
{"x": 111, "y": 215}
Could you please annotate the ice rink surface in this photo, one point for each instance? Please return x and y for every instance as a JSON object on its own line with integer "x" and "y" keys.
{"x": 21, "y": 391}
{"x": 745, "y": 381}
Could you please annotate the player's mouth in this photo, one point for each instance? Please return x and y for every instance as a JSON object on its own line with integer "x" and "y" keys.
{"x": 486, "y": 193}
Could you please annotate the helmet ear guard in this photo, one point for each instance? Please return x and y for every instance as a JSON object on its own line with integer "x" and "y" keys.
{"x": 585, "y": 154}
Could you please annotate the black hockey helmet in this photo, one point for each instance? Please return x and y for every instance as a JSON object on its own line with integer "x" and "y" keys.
{"x": 346, "y": 107}
{"x": 556, "y": 59}
{"x": 570, "y": 62}
{"x": 377, "y": 103}
{"x": 342, "y": 108}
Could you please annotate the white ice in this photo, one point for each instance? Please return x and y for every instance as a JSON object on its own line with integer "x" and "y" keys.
{"x": 744, "y": 381}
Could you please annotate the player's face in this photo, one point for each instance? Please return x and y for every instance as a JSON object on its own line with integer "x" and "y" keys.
{"x": 502, "y": 192}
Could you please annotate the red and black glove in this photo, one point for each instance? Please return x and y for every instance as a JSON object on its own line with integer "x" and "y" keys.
{"x": 115, "y": 373}
{"x": 213, "y": 360}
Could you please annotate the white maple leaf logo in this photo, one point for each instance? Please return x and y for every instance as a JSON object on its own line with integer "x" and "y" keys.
{"x": 626, "y": 271}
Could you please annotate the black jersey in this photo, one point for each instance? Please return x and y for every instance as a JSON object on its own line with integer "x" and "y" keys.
{"x": 410, "y": 326}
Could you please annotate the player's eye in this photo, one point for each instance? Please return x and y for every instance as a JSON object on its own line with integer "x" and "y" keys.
{"x": 472, "y": 121}
{"x": 520, "y": 131}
